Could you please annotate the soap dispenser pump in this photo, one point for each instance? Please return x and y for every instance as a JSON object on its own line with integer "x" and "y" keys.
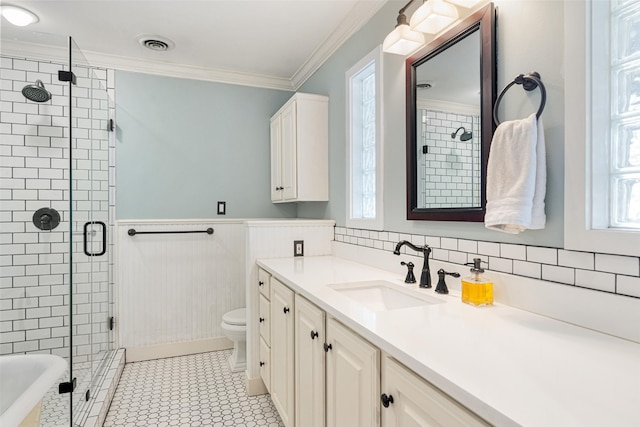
{"x": 476, "y": 289}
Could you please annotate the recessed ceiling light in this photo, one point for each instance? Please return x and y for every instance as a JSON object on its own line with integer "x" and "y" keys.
{"x": 18, "y": 16}
{"x": 157, "y": 43}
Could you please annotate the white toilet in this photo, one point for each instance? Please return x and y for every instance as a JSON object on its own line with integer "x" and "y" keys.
{"x": 234, "y": 326}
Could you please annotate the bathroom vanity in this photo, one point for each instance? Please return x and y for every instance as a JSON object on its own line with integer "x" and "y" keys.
{"x": 390, "y": 354}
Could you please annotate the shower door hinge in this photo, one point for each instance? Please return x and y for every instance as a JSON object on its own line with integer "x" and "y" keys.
{"x": 67, "y": 387}
{"x": 112, "y": 125}
{"x": 87, "y": 396}
{"x": 66, "y": 76}
{"x": 112, "y": 321}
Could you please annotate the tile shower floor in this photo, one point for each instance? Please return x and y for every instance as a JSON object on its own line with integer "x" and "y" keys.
{"x": 195, "y": 390}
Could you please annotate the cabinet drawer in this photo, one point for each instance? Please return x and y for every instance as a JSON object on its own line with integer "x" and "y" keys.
{"x": 265, "y": 364}
{"x": 264, "y": 283}
{"x": 265, "y": 320}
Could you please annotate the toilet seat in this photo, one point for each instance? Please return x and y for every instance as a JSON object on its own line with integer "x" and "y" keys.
{"x": 236, "y": 317}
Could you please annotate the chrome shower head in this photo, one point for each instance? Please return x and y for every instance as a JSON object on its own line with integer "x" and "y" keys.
{"x": 36, "y": 92}
{"x": 466, "y": 136}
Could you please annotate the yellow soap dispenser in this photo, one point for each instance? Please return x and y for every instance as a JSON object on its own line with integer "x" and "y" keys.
{"x": 476, "y": 289}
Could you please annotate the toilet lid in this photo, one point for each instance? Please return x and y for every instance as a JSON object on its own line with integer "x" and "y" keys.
{"x": 236, "y": 317}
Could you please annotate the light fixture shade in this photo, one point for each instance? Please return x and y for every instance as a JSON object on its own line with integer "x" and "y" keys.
{"x": 465, "y": 3}
{"x": 402, "y": 40}
{"x": 18, "y": 16}
{"x": 433, "y": 16}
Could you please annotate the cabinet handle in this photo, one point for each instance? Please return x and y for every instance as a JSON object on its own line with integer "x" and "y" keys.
{"x": 327, "y": 347}
{"x": 261, "y": 363}
{"x": 314, "y": 334}
{"x": 386, "y": 400}
{"x": 260, "y": 283}
{"x": 261, "y": 319}
{"x": 286, "y": 310}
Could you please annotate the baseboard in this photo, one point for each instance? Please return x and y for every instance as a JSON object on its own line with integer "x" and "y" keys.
{"x": 255, "y": 386}
{"x": 138, "y": 354}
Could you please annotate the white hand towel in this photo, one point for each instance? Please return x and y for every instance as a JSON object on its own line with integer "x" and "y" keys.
{"x": 516, "y": 177}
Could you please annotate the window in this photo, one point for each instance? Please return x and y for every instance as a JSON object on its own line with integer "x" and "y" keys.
{"x": 602, "y": 126}
{"x": 364, "y": 143}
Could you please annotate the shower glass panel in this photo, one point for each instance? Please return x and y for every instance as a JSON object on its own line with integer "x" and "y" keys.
{"x": 92, "y": 339}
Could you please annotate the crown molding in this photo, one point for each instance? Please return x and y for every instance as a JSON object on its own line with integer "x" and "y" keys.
{"x": 123, "y": 63}
{"x": 359, "y": 15}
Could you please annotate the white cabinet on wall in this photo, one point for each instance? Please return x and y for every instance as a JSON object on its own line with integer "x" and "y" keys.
{"x": 310, "y": 365}
{"x": 299, "y": 150}
{"x": 408, "y": 400}
{"x": 352, "y": 378}
{"x": 282, "y": 351}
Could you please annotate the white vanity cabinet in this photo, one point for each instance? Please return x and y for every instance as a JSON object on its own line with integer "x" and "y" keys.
{"x": 352, "y": 378}
{"x": 282, "y": 351}
{"x": 408, "y": 400}
{"x": 299, "y": 150}
{"x": 310, "y": 364}
{"x": 321, "y": 373}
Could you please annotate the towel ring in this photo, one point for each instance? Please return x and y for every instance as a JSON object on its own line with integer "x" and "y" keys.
{"x": 529, "y": 82}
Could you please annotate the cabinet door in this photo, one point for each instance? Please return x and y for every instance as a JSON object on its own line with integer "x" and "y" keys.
{"x": 289, "y": 154}
{"x": 309, "y": 357}
{"x": 264, "y": 283}
{"x": 265, "y": 364}
{"x": 353, "y": 378}
{"x": 282, "y": 352}
{"x": 418, "y": 403}
{"x": 276, "y": 158}
{"x": 265, "y": 320}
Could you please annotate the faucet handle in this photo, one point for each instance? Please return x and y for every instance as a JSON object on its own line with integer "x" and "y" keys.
{"x": 411, "y": 278}
{"x": 441, "y": 287}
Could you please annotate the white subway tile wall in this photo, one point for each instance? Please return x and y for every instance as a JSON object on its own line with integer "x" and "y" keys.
{"x": 609, "y": 273}
{"x": 446, "y": 173}
{"x": 35, "y": 171}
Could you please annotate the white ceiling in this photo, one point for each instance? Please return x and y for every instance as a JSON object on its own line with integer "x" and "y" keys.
{"x": 270, "y": 43}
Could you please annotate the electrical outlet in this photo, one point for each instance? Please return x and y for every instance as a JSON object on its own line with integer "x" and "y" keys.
{"x": 222, "y": 208}
{"x": 298, "y": 248}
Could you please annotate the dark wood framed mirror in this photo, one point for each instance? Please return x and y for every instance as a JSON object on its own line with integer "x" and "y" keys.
{"x": 450, "y": 92}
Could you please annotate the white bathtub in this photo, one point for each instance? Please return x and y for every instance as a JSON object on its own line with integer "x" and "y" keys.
{"x": 24, "y": 380}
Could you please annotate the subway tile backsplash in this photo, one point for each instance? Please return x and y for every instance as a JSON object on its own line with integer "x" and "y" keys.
{"x": 603, "y": 272}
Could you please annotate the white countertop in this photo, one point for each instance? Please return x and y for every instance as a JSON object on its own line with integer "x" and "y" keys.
{"x": 509, "y": 366}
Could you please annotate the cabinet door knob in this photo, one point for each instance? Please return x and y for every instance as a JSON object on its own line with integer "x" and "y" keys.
{"x": 261, "y": 363}
{"x": 261, "y": 319}
{"x": 260, "y": 283}
{"x": 327, "y": 347}
{"x": 286, "y": 310}
{"x": 314, "y": 334}
{"x": 386, "y": 400}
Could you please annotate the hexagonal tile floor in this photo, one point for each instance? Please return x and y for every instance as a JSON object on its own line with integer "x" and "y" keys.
{"x": 195, "y": 390}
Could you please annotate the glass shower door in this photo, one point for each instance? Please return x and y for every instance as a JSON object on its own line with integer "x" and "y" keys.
{"x": 91, "y": 296}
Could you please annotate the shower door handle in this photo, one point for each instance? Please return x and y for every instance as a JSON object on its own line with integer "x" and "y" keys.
{"x": 104, "y": 238}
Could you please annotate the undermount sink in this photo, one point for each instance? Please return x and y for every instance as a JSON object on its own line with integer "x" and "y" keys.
{"x": 381, "y": 295}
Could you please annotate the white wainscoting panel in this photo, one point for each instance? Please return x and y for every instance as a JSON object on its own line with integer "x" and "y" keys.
{"x": 175, "y": 288}
{"x": 274, "y": 239}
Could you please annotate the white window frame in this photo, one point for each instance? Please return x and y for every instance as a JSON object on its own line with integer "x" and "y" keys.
{"x": 377, "y": 223}
{"x": 580, "y": 121}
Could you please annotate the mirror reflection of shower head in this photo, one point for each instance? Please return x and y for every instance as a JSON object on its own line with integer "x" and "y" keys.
{"x": 466, "y": 136}
{"x": 36, "y": 92}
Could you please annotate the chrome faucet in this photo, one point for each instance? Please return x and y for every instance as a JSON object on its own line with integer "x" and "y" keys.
{"x": 425, "y": 277}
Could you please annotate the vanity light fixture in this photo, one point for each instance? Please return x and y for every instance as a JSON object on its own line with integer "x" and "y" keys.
{"x": 465, "y": 3}
{"x": 17, "y": 15}
{"x": 433, "y": 16}
{"x": 402, "y": 40}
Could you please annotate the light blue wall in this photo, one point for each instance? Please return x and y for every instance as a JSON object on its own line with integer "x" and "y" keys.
{"x": 529, "y": 37}
{"x": 183, "y": 145}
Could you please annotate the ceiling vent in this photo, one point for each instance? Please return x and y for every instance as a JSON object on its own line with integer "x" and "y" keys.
{"x": 157, "y": 43}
